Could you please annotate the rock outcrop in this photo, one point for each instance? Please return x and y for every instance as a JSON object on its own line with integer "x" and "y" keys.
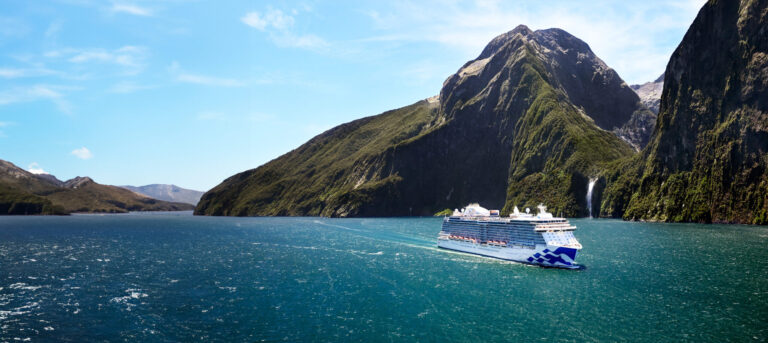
{"x": 650, "y": 93}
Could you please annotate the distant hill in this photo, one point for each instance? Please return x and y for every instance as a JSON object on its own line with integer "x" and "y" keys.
{"x": 22, "y": 192}
{"x": 168, "y": 193}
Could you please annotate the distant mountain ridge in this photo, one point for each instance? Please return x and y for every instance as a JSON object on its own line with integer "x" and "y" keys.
{"x": 531, "y": 120}
{"x": 22, "y": 192}
{"x": 650, "y": 93}
{"x": 171, "y": 193}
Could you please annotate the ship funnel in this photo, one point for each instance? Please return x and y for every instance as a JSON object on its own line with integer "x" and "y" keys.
{"x": 543, "y": 212}
{"x": 516, "y": 211}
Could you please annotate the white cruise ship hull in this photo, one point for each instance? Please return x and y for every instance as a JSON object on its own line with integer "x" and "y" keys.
{"x": 541, "y": 255}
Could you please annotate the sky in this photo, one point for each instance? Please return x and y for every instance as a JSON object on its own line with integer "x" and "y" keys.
{"x": 192, "y": 92}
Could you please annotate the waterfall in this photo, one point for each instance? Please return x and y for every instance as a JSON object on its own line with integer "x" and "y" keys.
{"x": 589, "y": 195}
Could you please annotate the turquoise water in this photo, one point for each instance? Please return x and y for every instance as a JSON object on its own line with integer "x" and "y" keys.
{"x": 170, "y": 277}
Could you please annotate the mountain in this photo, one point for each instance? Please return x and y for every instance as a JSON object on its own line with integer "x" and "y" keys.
{"x": 22, "y": 192}
{"x": 707, "y": 160}
{"x": 17, "y": 192}
{"x": 650, "y": 93}
{"x": 530, "y": 120}
{"x": 168, "y": 193}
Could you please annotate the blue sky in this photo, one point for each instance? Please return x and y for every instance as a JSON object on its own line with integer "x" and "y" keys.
{"x": 192, "y": 92}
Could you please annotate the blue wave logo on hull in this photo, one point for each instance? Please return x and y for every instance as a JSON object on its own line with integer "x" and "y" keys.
{"x": 561, "y": 256}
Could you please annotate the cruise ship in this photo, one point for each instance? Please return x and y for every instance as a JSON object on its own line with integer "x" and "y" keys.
{"x": 538, "y": 239}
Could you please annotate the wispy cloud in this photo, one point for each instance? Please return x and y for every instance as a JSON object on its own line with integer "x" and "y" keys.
{"x": 37, "y": 93}
{"x": 130, "y": 58}
{"x": 187, "y": 77}
{"x": 279, "y": 26}
{"x": 208, "y": 80}
{"x": 82, "y": 153}
{"x": 131, "y": 9}
{"x": 2, "y": 125}
{"x": 13, "y": 73}
{"x": 35, "y": 168}
{"x": 126, "y": 87}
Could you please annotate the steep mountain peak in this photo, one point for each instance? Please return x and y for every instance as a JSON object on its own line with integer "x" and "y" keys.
{"x": 78, "y": 182}
{"x": 499, "y": 41}
{"x": 568, "y": 65}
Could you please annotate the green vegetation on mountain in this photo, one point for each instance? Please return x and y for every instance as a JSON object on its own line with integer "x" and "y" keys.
{"x": 13, "y": 201}
{"x": 530, "y": 120}
{"x": 707, "y": 160}
{"x": 332, "y": 174}
{"x": 22, "y": 192}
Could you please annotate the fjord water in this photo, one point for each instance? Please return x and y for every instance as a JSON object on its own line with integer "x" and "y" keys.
{"x": 171, "y": 277}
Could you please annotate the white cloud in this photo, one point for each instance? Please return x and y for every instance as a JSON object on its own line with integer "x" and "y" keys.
{"x": 186, "y": 77}
{"x": 253, "y": 19}
{"x": 82, "y": 153}
{"x": 126, "y": 56}
{"x": 278, "y": 26}
{"x": 35, "y": 168}
{"x": 130, "y": 9}
{"x": 271, "y": 19}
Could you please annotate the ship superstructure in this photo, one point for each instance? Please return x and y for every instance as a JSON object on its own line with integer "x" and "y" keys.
{"x": 539, "y": 239}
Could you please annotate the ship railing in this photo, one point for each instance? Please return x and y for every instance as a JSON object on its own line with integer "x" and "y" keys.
{"x": 569, "y": 245}
{"x": 551, "y": 227}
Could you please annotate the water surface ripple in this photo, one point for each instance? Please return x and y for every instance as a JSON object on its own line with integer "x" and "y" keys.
{"x": 172, "y": 277}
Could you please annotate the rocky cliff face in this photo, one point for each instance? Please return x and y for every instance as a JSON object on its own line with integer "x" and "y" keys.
{"x": 708, "y": 158}
{"x": 528, "y": 121}
{"x": 650, "y": 93}
{"x": 22, "y": 192}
